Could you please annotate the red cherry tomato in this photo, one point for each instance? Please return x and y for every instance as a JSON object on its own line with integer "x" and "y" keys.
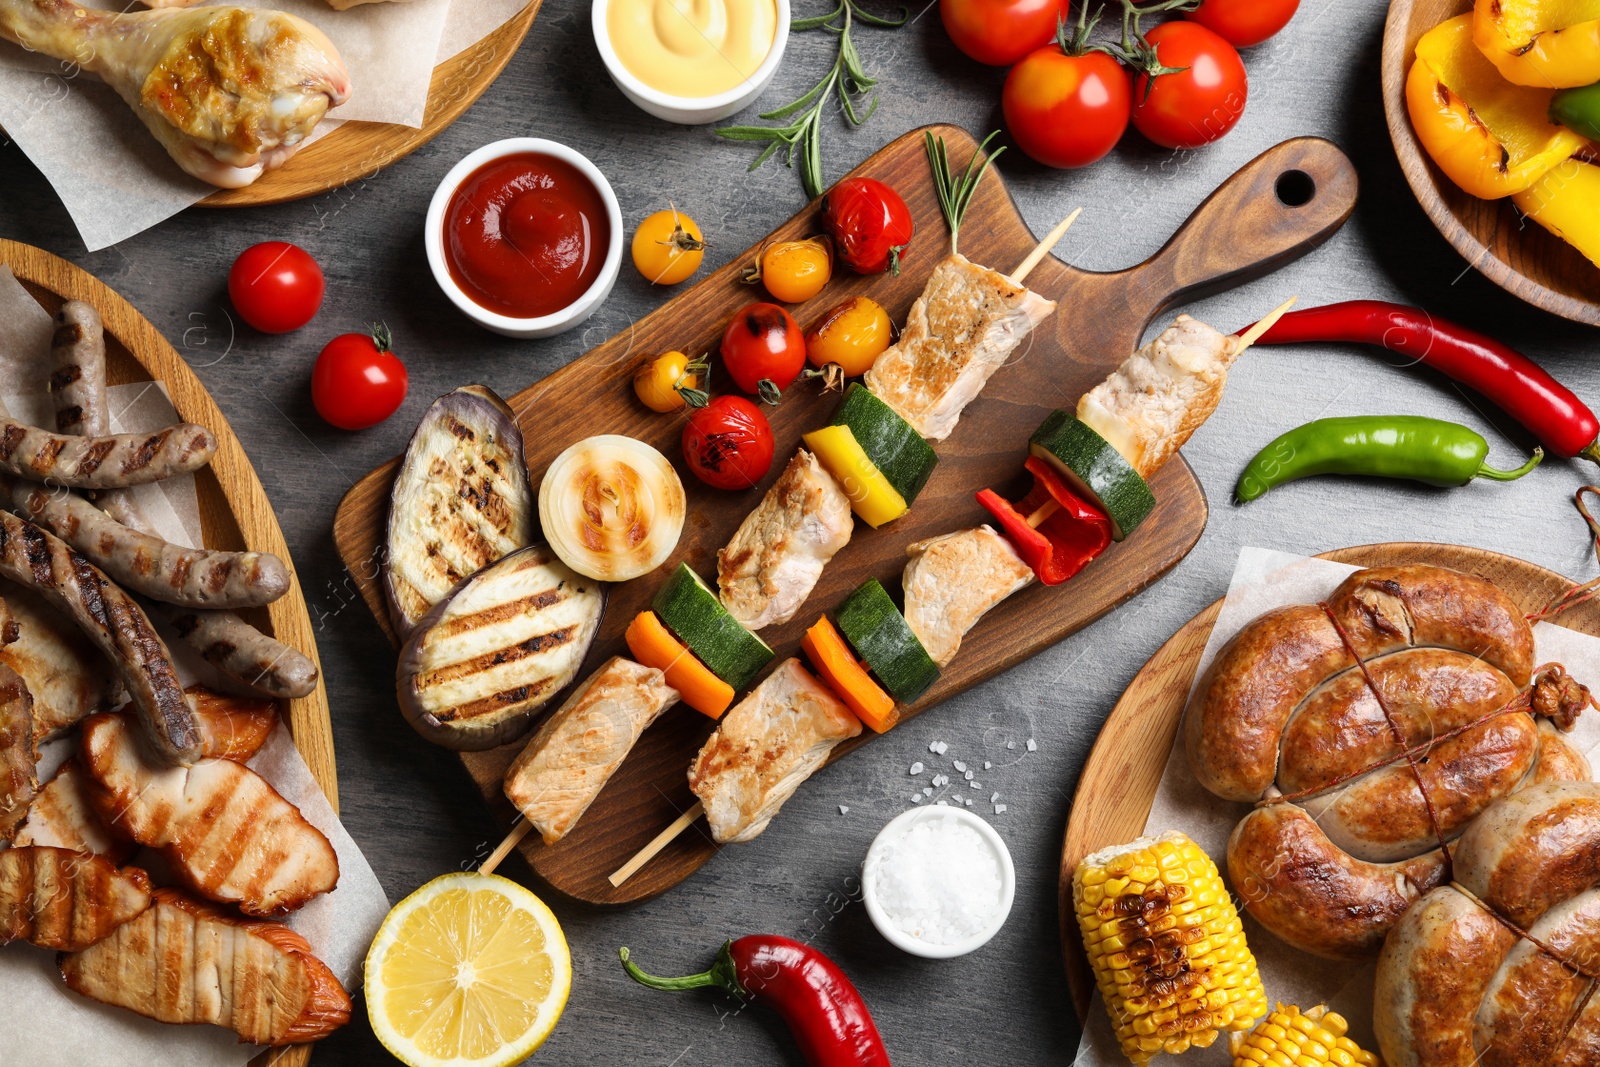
{"x": 763, "y": 350}
{"x": 357, "y": 381}
{"x": 869, "y": 223}
{"x": 728, "y": 443}
{"x": 1000, "y": 32}
{"x": 1243, "y": 23}
{"x": 1066, "y": 110}
{"x": 1198, "y": 104}
{"x": 276, "y": 287}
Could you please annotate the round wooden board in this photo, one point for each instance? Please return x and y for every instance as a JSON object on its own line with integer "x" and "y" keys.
{"x": 358, "y": 150}
{"x": 1124, "y": 769}
{"x": 234, "y": 512}
{"x": 1518, "y": 255}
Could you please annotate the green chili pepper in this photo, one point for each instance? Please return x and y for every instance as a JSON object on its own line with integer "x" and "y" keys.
{"x": 1430, "y": 451}
{"x": 1578, "y": 110}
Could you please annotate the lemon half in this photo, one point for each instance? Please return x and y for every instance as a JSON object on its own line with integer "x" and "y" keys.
{"x": 471, "y": 970}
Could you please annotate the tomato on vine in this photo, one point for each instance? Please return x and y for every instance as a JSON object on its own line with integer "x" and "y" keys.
{"x": 1191, "y": 87}
{"x": 1243, "y": 23}
{"x": 1000, "y": 32}
{"x": 1067, "y": 104}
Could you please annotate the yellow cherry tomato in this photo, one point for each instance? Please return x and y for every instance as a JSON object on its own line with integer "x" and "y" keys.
{"x": 658, "y": 381}
{"x": 667, "y": 247}
{"x": 794, "y": 271}
{"x": 853, "y": 334}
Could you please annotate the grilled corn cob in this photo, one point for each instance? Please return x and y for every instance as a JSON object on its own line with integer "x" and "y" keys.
{"x": 1166, "y": 945}
{"x": 1291, "y": 1038}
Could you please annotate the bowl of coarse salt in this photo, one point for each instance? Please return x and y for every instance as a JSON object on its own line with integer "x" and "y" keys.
{"x": 938, "y": 882}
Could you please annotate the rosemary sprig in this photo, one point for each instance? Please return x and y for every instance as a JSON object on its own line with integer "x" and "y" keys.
{"x": 956, "y": 193}
{"x": 847, "y": 79}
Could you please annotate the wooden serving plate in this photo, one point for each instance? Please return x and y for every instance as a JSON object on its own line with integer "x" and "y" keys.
{"x": 234, "y": 512}
{"x": 1241, "y": 231}
{"x": 1124, "y": 770}
{"x": 358, "y": 150}
{"x": 1516, "y": 254}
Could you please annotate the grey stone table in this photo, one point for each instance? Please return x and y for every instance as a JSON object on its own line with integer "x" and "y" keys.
{"x": 413, "y": 810}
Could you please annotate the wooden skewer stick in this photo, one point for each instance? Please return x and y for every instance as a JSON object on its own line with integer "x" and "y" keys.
{"x": 1252, "y": 335}
{"x": 503, "y": 849}
{"x": 1043, "y": 512}
{"x": 1043, "y": 248}
{"x": 659, "y": 842}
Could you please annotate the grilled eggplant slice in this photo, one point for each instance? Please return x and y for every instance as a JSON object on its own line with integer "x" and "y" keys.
{"x": 503, "y": 645}
{"x": 461, "y": 501}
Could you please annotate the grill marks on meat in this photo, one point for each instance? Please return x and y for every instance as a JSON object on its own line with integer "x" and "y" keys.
{"x": 110, "y": 461}
{"x": 763, "y": 749}
{"x": 234, "y": 727}
{"x": 242, "y": 652}
{"x": 962, "y": 328}
{"x": 184, "y": 962}
{"x": 951, "y": 581}
{"x": 64, "y": 671}
{"x": 774, "y": 560}
{"x": 18, "y": 753}
{"x": 60, "y": 899}
{"x": 78, "y": 374}
{"x": 62, "y": 815}
{"x": 225, "y": 830}
{"x": 581, "y": 745}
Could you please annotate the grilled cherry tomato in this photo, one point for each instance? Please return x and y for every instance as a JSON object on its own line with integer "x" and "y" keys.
{"x": 357, "y": 380}
{"x": 763, "y": 350}
{"x": 658, "y": 380}
{"x": 275, "y": 286}
{"x": 1243, "y": 23}
{"x": 794, "y": 271}
{"x": 1000, "y": 32}
{"x": 1197, "y": 104}
{"x": 728, "y": 443}
{"x": 667, "y": 247}
{"x": 852, "y": 334}
{"x": 1066, "y": 107}
{"x": 870, "y": 224}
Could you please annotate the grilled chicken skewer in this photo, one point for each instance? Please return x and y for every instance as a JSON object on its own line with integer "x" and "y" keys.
{"x": 60, "y": 899}
{"x": 951, "y": 581}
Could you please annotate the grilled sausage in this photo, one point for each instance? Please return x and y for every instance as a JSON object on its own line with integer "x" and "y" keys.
{"x": 107, "y": 462}
{"x": 78, "y": 372}
{"x": 241, "y": 651}
{"x": 44, "y": 563}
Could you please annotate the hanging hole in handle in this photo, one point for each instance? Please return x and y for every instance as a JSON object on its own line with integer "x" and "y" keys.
{"x": 1295, "y": 188}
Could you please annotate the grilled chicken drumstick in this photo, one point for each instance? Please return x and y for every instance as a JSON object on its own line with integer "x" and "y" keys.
{"x": 65, "y": 900}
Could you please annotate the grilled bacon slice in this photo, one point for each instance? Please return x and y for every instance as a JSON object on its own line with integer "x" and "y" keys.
{"x": 61, "y": 899}
{"x": 185, "y": 962}
{"x": 225, "y": 830}
{"x": 62, "y": 816}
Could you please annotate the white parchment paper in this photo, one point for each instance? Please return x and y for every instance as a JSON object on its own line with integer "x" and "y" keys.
{"x": 45, "y": 1022}
{"x": 1265, "y": 579}
{"x": 116, "y": 181}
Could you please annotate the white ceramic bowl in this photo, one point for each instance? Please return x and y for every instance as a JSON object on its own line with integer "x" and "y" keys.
{"x": 690, "y": 110}
{"x": 917, "y": 947}
{"x": 542, "y": 325}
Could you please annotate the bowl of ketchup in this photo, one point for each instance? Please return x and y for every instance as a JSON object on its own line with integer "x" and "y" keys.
{"x": 525, "y": 236}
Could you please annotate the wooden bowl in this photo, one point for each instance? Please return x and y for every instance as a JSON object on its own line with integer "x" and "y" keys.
{"x": 1516, "y": 254}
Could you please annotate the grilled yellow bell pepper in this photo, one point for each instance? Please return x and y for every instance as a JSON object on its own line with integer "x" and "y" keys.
{"x": 1548, "y": 44}
{"x": 1490, "y": 137}
{"x": 871, "y": 495}
{"x": 1566, "y": 201}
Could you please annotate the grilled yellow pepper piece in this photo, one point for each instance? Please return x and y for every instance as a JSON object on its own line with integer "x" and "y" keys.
{"x": 1548, "y": 44}
{"x": 1292, "y": 1038}
{"x": 871, "y": 495}
{"x": 1566, "y": 201}
{"x": 1490, "y": 137}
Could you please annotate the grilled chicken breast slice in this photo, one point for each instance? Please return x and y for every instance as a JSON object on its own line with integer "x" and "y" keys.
{"x": 581, "y": 745}
{"x": 62, "y": 815}
{"x": 962, "y": 328}
{"x": 66, "y": 674}
{"x": 19, "y": 755}
{"x": 779, "y": 551}
{"x": 224, "y": 829}
{"x": 65, "y": 900}
{"x": 184, "y": 962}
{"x": 232, "y": 727}
{"x": 771, "y": 742}
{"x": 951, "y": 581}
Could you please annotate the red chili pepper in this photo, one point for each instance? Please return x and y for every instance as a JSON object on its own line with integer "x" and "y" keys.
{"x": 1064, "y": 542}
{"x": 1513, "y": 382}
{"x": 826, "y": 1015}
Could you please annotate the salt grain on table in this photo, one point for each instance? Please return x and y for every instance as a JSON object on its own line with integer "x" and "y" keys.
{"x": 916, "y": 768}
{"x": 999, "y": 809}
{"x": 939, "y": 881}
{"x": 1032, "y": 745}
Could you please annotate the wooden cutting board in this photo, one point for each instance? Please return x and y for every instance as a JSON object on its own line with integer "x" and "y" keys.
{"x": 234, "y": 512}
{"x": 1125, "y": 766}
{"x": 1244, "y": 229}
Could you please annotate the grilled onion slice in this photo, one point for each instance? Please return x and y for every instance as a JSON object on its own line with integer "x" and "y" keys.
{"x": 612, "y": 507}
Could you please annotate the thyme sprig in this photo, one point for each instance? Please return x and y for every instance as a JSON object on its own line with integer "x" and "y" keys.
{"x": 956, "y": 193}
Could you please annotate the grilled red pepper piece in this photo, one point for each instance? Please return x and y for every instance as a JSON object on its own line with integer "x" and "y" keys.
{"x": 1514, "y": 383}
{"x": 826, "y": 1015}
{"x": 1065, "y": 541}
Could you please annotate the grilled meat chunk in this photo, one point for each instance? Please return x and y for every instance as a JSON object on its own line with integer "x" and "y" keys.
{"x": 19, "y": 756}
{"x": 779, "y": 551}
{"x": 62, "y": 815}
{"x": 771, "y": 742}
{"x": 225, "y": 830}
{"x": 581, "y": 745}
{"x": 107, "y": 462}
{"x": 951, "y": 581}
{"x": 234, "y": 727}
{"x": 65, "y": 900}
{"x": 184, "y": 962}
{"x": 66, "y": 674}
{"x": 962, "y": 328}
{"x": 240, "y": 651}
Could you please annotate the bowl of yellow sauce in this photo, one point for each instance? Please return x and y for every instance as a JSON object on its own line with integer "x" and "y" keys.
{"x": 691, "y": 61}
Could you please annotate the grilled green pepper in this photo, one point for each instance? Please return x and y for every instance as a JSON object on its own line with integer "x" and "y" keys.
{"x": 1430, "y": 451}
